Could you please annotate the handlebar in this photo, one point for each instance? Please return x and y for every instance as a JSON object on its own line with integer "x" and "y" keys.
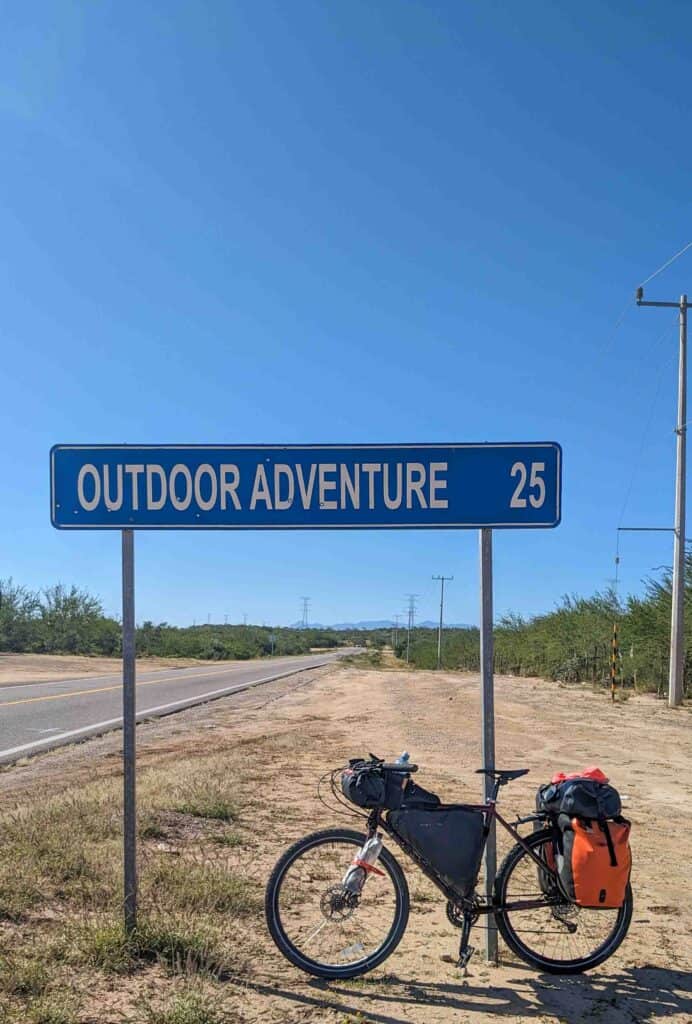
{"x": 403, "y": 767}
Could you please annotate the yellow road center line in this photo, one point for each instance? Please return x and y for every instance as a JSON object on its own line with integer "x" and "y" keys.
{"x": 105, "y": 689}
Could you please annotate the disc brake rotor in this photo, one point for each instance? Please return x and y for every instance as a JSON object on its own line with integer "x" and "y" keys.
{"x": 338, "y": 904}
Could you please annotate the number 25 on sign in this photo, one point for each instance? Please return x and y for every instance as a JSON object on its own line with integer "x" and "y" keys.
{"x": 536, "y": 489}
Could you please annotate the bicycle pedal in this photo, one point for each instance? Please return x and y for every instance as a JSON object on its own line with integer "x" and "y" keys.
{"x": 466, "y": 956}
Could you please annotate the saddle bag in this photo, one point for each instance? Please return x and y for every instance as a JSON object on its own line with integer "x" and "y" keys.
{"x": 448, "y": 839}
{"x": 595, "y": 863}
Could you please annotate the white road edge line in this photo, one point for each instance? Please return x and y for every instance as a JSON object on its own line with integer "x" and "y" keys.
{"x": 98, "y": 728}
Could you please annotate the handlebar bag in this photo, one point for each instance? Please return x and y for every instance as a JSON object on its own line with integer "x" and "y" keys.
{"x": 371, "y": 787}
{"x": 596, "y": 861}
{"x": 447, "y": 839}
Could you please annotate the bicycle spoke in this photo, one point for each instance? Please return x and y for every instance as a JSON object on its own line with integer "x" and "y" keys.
{"x": 314, "y": 933}
{"x": 558, "y": 933}
{"x": 332, "y": 925}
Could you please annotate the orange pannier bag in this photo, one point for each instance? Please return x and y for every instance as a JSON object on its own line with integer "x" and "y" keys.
{"x": 597, "y": 856}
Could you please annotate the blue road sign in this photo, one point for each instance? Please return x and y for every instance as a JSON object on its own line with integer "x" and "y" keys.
{"x": 305, "y": 487}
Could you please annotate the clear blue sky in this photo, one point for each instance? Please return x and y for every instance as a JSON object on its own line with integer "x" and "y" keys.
{"x": 381, "y": 220}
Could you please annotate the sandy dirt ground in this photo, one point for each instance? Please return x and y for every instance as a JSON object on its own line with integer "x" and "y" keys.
{"x": 285, "y": 737}
{"x": 37, "y": 668}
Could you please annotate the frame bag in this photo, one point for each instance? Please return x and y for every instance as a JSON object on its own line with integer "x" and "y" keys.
{"x": 447, "y": 839}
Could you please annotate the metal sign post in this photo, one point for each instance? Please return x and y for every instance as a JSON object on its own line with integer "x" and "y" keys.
{"x": 303, "y": 487}
{"x": 488, "y": 724}
{"x": 129, "y": 734}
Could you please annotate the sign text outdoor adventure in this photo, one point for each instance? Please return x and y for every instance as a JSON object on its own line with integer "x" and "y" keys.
{"x": 418, "y": 486}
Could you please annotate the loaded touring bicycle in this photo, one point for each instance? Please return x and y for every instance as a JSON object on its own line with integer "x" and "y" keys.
{"x": 337, "y": 901}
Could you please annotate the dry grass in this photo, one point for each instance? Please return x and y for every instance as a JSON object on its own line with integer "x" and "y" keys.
{"x": 206, "y": 799}
{"x": 191, "y": 1007}
{"x": 61, "y": 894}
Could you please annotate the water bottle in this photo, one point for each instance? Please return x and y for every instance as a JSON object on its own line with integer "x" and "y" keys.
{"x": 354, "y": 879}
{"x": 403, "y": 758}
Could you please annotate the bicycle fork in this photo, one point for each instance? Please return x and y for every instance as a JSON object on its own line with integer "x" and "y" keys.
{"x": 362, "y": 865}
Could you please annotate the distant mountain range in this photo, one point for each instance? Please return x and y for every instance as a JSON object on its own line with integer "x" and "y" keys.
{"x": 366, "y": 624}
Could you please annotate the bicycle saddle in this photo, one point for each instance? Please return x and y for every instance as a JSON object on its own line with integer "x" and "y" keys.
{"x": 503, "y": 776}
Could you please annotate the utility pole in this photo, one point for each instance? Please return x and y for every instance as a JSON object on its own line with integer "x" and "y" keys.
{"x": 306, "y": 606}
{"x": 411, "y": 617}
{"x": 442, "y": 580}
{"x": 395, "y": 633}
{"x": 676, "y": 678}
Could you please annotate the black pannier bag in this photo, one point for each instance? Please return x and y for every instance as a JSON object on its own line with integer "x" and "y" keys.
{"x": 548, "y": 854}
{"x": 590, "y": 847}
{"x": 579, "y": 798}
{"x": 370, "y": 787}
{"x": 449, "y": 839}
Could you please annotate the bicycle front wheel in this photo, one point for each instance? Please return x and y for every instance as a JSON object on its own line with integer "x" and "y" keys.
{"x": 317, "y": 924}
{"x": 558, "y": 937}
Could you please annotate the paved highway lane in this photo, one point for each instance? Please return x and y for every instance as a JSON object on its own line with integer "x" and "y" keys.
{"x": 39, "y": 716}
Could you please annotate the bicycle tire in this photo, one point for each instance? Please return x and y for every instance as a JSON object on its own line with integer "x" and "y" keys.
{"x": 550, "y": 965}
{"x": 386, "y": 861}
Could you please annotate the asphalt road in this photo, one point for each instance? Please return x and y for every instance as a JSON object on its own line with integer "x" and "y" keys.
{"x": 39, "y": 716}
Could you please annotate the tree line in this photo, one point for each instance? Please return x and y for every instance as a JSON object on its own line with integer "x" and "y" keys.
{"x": 69, "y": 620}
{"x": 573, "y": 642}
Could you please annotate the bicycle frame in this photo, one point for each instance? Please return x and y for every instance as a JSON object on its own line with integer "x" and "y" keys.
{"x": 474, "y": 904}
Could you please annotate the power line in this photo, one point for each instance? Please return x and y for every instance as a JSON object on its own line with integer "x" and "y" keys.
{"x": 610, "y": 338}
{"x": 647, "y": 426}
{"x": 666, "y": 264}
{"x": 443, "y": 580}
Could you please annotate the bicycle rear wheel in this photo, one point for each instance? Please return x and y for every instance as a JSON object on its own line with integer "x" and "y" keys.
{"x": 317, "y": 924}
{"x": 559, "y": 937}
